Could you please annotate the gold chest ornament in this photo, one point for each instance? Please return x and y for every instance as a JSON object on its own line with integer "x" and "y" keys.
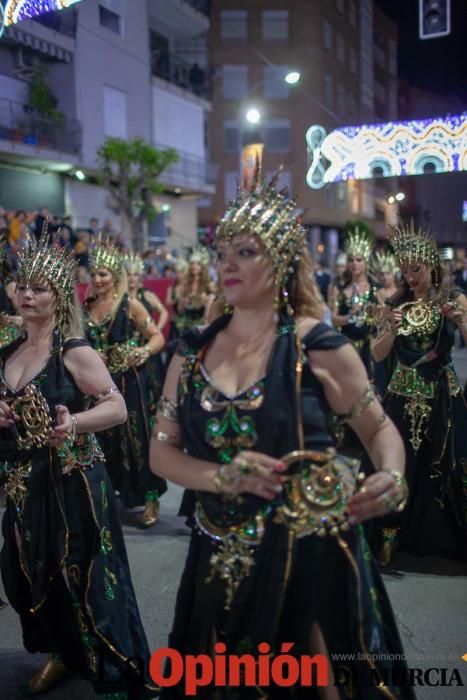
{"x": 418, "y": 318}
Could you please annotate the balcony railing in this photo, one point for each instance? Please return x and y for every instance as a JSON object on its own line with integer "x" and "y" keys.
{"x": 64, "y": 22}
{"x": 175, "y": 70}
{"x": 21, "y": 124}
{"x": 203, "y": 6}
{"x": 189, "y": 172}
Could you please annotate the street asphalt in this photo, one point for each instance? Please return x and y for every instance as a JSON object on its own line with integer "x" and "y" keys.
{"x": 429, "y": 601}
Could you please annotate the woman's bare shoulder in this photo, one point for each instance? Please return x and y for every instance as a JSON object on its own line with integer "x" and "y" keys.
{"x": 305, "y": 324}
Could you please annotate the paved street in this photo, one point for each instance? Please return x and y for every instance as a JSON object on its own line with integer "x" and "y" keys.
{"x": 430, "y": 607}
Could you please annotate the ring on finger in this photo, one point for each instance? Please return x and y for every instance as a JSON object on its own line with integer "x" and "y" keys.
{"x": 388, "y": 501}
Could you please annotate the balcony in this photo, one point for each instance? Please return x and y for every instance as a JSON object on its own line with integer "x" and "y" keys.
{"x": 174, "y": 70}
{"x": 190, "y": 174}
{"x": 186, "y": 19}
{"x": 19, "y": 124}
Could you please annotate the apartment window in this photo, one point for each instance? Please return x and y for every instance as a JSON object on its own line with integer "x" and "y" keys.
{"x": 111, "y": 15}
{"x": 328, "y": 90}
{"x": 340, "y": 48}
{"x": 274, "y": 83}
{"x": 115, "y": 113}
{"x": 234, "y": 81}
{"x": 340, "y": 6}
{"x": 330, "y": 199}
{"x": 231, "y": 136}
{"x": 327, "y": 35}
{"x": 230, "y": 185}
{"x": 352, "y": 13}
{"x": 277, "y": 137}
{"x": 352, "y": 60}
{"x": 275, "y": 24}
{"x": 234, "y": 24}
{"x": 341, "y": 106}
{"x": 341, "y": 194}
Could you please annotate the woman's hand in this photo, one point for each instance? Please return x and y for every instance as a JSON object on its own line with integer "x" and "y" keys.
{"x": 7, "y": 416}
{"x": 251, "y": 472}
{"x": 394, "y": 320}
{"x": 63, "y": 427}
{"x": 138, "y": 356}
{"x": 379, "y": 495}
{"x": 454, "y": 311}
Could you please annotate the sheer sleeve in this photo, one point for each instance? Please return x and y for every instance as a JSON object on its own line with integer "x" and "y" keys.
{"x": 323, "y": 337}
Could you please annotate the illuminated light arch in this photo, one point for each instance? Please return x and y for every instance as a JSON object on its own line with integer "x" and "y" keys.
{"x": 397, "y": 148}
{"x": 17, "y": 10}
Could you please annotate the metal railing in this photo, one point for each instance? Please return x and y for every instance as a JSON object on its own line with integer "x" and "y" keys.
{"x": 189, "y": 76}
{"x": 189, "y": 171}
{"x": 22, "y": 124}
{"x": 63, "y": 22}
{"x": 203, "y": 6}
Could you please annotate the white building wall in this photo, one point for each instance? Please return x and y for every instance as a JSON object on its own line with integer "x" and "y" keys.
{"x": 178, "y": 122}
{"x": 366, "y": 59}
{"x": 104, "y": 58}
{"x": 84, "y": 201}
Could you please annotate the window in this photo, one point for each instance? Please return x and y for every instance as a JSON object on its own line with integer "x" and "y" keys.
{"x": 277, "y": 136}
{"x": 340, "y": 6}
{"x": 234, "y": 81}
{"x": 352, "y": 60}
{"x": 115, "y": 113}
{"x": 231, "y": 136}
{"x": 341, "y": 106}
{"x": 341, "y": 194}
{"x": 275, "y": 24}
{"x": 274, "y": 82}
{"x": 234, "y": 24}
{"x": 111, "y": 15}
{"x": 327, "y": 35}
{"x": 330, "y": 199}
{"x": 352, "y": 13}
{"x": 340, "y": 48}
{"x": 328, "y": 90}
{"x": 231, "y": 182}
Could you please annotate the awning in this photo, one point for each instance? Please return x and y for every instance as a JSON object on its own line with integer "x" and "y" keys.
{"x": 42, "y": 45}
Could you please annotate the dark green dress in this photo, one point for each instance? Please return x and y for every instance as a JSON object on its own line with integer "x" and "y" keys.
{"x": 279, "y": 585}
{"x": 126, "y": 447}
{"x": 62, "y": 504}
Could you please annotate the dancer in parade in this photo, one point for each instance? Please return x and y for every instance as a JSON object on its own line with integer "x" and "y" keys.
{"x": 425, "y": 402}
{"x": 134, "y": 267}
{"x": 63, "y": 563}
{"x": 275, "y": 557}
{"x": 10, "y": 320}
{"x": 197, "y": 295}
{"x": 174, "y": 296}
{"x": 385, "y": 268}
{"x": 121, "y": 330}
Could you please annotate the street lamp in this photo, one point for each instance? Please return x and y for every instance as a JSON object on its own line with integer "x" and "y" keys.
{"x": 397, "y": 197}
{"x": 293, "y": 77}
{"x": 253, "y": 115}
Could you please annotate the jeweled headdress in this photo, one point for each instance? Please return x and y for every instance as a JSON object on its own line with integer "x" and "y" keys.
{"x": 133, "y": 262}
{"x": 181, "y": 264}
{"x": 45, "y": 260}
{"x": 384, "y": 261}
{"x": 106, "y": 255}
{"x": 412, "y": 245}
{"x": 268, "y": 214}
{"x": 200, "y": 255}
{"x": 358, "y": 243}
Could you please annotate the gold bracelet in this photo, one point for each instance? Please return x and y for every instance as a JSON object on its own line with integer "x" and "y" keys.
{"x": 167, "y": 408}
{"x": 401, "y": 482}
{"x": 223, "y": 481}
{"x": 74, "y": 429}
{"x": 160, "y": 436}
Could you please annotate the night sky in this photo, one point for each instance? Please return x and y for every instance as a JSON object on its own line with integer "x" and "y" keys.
{"x": 440, "y": 64}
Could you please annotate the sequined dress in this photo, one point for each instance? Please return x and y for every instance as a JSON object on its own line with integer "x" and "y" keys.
{"x": 8, "y": 331}
{"x": 126, "y": 447}
{"x": 248, "y": 579}
{"x": 425, "y": 402}
{"x": 61, "y": 503}
{"x": 361, "y": 329}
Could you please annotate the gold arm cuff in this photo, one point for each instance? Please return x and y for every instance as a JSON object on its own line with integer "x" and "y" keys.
{"x": 361, "y": 405}
{"x": 167, "y": 408}
{"x": 160, "y": 436}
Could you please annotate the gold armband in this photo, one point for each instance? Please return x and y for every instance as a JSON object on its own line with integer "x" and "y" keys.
{"x": 111, "y": 390}
{"x": 167, "y": 408}
{"x": 146, "y": 323}
{"x": 361, "y": 405}
{"x": 160, "y": 436}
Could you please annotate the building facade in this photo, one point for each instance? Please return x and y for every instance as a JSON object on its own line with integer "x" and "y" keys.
{"x": 345, "y": 52}
{"x": 114, "y": 68}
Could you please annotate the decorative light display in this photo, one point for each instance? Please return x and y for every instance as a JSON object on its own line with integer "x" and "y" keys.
{"x": 16, "y": 10}
{"x": 386, "y": 150}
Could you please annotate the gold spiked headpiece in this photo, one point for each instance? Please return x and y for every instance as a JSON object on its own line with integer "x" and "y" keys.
{"x": 181, "y": 264}
{"x": 358, "y": 244}
{"x": 412, "y": 245}
{"x": 200, "y": 255}
{"x": 106, "y": 255}
{"x": 384, "y": 261}
{"x": 268, "y": 214}
{"x": 45, "y": 260}
{"x": 133, "y": 262}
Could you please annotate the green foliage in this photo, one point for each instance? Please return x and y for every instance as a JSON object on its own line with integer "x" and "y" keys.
{"x": 41, "y": 97}
{"x": 130, "y": 172}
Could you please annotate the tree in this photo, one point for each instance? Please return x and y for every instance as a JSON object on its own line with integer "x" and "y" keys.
{"x": 130, "y": 171}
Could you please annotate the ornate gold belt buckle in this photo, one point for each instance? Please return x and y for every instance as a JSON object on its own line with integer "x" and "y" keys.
{"x": 315, "y": 498}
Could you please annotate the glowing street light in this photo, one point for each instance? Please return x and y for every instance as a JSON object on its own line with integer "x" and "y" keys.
{"x": 80, "y": 175}
{"x": 292, "y": 78}
{"x": 400, "y": 196}
{"x": 253, "y": 115}
{"x": 397, "y": 197}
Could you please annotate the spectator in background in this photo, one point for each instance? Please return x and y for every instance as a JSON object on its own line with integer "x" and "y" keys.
{"x": 82, "y": 249}
{"x": 197, "y": 79}
{"x": 93, "y": 227}
{"x": 460, "y": 278}
{"x": 16, "y": 227}
{"x": 41, "y": 216}
{"x": 3, "y": 223}
{"x": 322, "y": 278}
{"x": 66, "y": 226}
{"x": 65, "y": 238}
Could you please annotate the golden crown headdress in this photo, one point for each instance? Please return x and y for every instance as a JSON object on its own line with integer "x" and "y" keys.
{"x": 358, "y": 243}
{"x": 181, "y": 264}
{"x": 45, "y": 260}
{"x": 384, "y": 261}
{"x": 412, "y": 245}
{"x": 200, "y": 254}
{"x": 269, "y": 214}
{"x": 105, "y": 254}
{"x": 133, "y": 262}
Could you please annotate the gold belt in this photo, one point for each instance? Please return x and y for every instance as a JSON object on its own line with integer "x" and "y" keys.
{"x": 408, "y": 382}
{"x": 117, "y": 356}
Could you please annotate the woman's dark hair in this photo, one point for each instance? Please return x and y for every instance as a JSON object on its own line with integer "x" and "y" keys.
{"x": 441, "y": 289}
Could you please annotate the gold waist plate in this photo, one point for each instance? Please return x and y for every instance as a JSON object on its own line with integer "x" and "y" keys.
{"x": 407, "y": 381}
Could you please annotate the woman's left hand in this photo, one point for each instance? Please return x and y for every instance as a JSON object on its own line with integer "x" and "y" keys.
{"x": 454, "y": 311}
{"x": 378, "y": 496}
{"x": 62, "y": 428}
{"x": 138, "y": 357}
